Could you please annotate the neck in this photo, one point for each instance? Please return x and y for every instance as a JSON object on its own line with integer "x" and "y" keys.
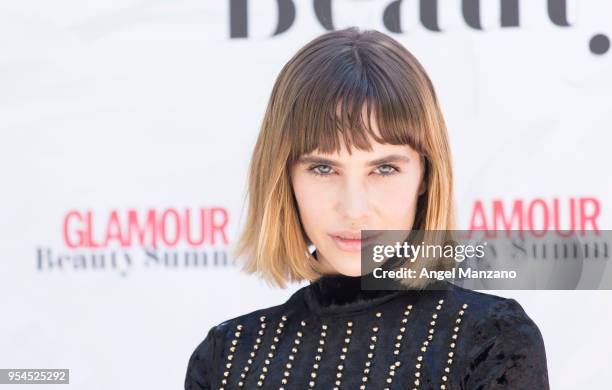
{"x": 338, "y": 293}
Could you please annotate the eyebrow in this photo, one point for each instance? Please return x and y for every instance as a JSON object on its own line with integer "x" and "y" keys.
{"x": 383, "y": 160}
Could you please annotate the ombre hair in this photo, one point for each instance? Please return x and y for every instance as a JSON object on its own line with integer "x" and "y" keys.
{"x": 316, "y": 103}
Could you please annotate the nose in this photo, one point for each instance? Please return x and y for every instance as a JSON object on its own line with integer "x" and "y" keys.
{"x": 353, "y": 203}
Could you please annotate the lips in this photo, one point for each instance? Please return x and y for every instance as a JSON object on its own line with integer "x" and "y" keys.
{"x": 351, "y": 241}
{"x": 352, "y": 235}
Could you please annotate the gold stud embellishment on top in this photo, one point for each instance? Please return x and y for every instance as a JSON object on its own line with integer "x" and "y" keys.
{"x": 275, "y": 340}
{"x": 294, "y": 350}
{"x": 315, "y": 366}
{"x": 368, "y": 363}
{"x": 253, "y": 353}
{"x": 453, "y": 343}
{"x": 430, "y": 333}
{"x": 398, "y": 344}
{"x": 230, "y": 356}
{"x": 344, "y": 350}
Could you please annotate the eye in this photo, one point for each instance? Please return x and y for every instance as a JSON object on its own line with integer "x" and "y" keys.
{"x": 326, "y": 170}
{"x": 387, "y": 170}
{"x": 320, "y": 172}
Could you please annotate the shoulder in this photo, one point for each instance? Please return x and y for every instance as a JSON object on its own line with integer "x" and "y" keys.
{"x": 478, "y": 302}
{"x": 493, "y": 310}
{"x": 492, "y": 316}
{"x": 253, "y": 319}
{"x": 503, "y": 345}
{"x": 205, "y": 359}
{"x": 228, "y": 326}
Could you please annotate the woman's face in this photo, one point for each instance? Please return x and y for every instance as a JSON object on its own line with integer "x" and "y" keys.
{"x": 340, "y": 194}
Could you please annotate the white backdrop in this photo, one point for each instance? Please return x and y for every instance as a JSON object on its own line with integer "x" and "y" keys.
{"x": 112, "y": 112}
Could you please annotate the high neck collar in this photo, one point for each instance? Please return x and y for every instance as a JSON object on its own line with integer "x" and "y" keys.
{"x": 339, "y": 293}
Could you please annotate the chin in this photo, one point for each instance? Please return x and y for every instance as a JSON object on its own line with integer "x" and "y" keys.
{"x": 352, "y": 272}
{"x": 349, "y": 269}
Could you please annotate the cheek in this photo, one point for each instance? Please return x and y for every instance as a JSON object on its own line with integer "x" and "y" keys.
{"x": 312, "y": 201}
{"x": 398, "y": 203}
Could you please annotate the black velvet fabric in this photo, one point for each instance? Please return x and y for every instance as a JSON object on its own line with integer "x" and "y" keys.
{"x": 451, "y": 338}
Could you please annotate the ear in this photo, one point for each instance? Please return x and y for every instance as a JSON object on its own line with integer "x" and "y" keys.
{"x": 423, "y": 186}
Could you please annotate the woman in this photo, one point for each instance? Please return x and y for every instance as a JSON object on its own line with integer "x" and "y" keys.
{"x": 353, "y": 139}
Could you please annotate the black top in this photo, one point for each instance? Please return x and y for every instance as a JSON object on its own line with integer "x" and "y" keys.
{"x": 333, "y": 335}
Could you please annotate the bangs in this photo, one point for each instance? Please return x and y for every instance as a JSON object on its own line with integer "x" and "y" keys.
{"x": 344, "y": 92}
